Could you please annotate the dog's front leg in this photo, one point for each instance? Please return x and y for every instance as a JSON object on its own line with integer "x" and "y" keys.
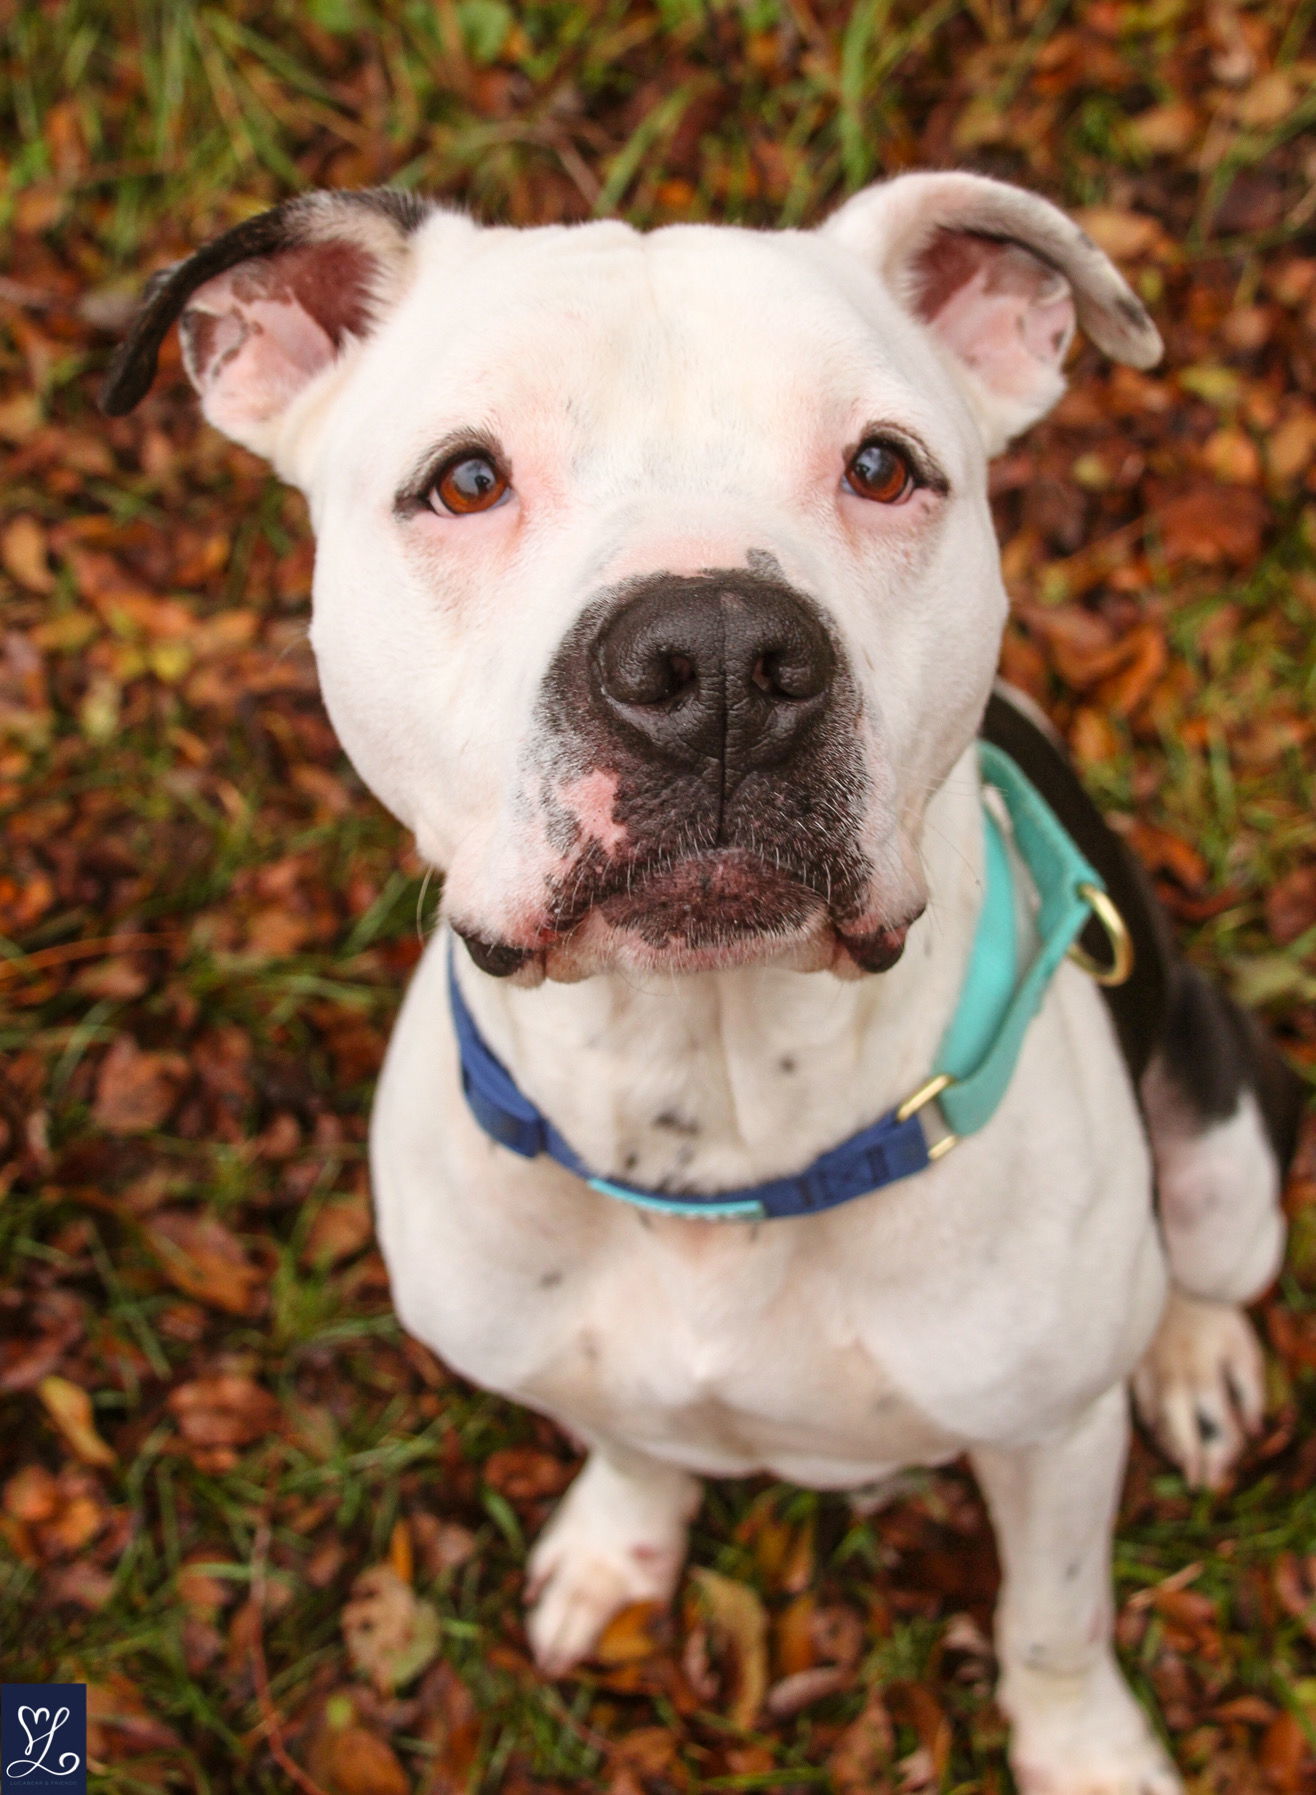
{"x": 618, "y": 1536}
{"x": 1076, "y": 1728}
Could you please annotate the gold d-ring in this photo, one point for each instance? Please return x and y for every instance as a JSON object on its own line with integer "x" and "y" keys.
{"x": 924, "y": 1094}
{"x": 1117, "y": 934}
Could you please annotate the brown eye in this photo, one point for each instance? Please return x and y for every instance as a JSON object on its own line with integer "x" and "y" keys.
{"x": 470, "y": 482}
{"x": 879, "y": 471}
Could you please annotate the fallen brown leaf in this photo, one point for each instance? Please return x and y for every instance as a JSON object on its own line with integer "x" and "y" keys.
{"x": 119, "y": 1723}
{"x": 202, "y": 1593}
{"x": 838, "y": 1634}
{"x": 1163, "y": 852}
{"x": 1122, "y": 234}
{"x": 1295, "y": 1585}
{"x": 1231, "y": 455}
{"x": 783, "y": 1551}
{"x": 441, "y": 1545}
{"x": 216, "y": 1415}
{"x": 390, "y": 1633}
{"x": 648, "y": 1750}
{"x": 793, "y": 1639}
{"x": 350, "y": 1759}
{"x": 205, "y": 1260}
{"x": 341, "y": 1228}
{"x": 739, "y": 1629}
{"x": 1284, "y": 1756}
{"x": 23, "y": 553}
{"x": 1145, "y": 659}
{"x": 632, "y": 1635}
{"x": 791, "y": 1695}
{"x": 526, "y": 1474}
{"x": 917, "y": 1705}
{"x": 135, "y": 1089}
{"x": 1290, "y": 904}
{"x": 1166, "y": 130}
{"x": 864, "y": 1750}
{"x": 69, "y": 1407}
{"x": 79, "y": 1518}
{"x": 52, "y": 1322}
{"x": 1291, "y": 445}
{"x": 451, "y": 1727}
{"x": 82, "y": 1584}
{"x": 31, "y": 1494}
{"x": 1212, "y": 524}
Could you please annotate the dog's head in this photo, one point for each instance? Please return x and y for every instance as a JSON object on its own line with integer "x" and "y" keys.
{"x": 656, "y": 587}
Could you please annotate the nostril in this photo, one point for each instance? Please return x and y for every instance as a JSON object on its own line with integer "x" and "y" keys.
{"x": 773, "y": 674}
{"x": 788, "y": 676}
{"x": 681, "y": 675}
{"x": 657, "y": 677}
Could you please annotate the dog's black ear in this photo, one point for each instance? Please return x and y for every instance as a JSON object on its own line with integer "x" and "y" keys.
{"x": 997, "y": 275}
{"x": 270, "y": 304}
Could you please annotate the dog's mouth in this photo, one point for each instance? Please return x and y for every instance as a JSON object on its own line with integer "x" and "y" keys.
{"x": 706, "y": 900}
{"x": 699, "y": 911}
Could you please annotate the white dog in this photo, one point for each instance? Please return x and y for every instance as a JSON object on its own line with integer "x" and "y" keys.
{"x": 657, "y": 594}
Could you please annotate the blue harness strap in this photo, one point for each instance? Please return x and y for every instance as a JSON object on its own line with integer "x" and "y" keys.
{"x": 974, "y": 1061}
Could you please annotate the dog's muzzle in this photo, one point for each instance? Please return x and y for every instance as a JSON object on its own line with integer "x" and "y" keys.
{"x": 705, "y": 790}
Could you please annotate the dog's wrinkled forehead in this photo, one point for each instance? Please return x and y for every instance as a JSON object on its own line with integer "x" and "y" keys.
{"x": 706, "y": 359}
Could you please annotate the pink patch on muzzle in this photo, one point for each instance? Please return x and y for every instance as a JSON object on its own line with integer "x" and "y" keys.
{"x": 590, "y": 799}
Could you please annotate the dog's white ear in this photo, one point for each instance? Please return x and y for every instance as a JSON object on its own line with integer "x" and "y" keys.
{"x": 997, "y": 275}
{"x": 269, "y": 305}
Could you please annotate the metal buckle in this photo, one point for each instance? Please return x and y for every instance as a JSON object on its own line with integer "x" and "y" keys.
{"x": 1117, "y": 934}
{"x": 923, "y": 1096}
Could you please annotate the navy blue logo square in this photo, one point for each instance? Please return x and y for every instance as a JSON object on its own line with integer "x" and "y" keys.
{"x": 43, "y": 1738}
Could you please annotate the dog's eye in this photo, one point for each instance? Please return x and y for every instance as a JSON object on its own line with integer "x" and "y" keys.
{"x": 469, "y": 482}
{"x": 880, "y": 471}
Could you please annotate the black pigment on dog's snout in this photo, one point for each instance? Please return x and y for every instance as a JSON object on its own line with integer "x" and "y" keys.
{"x": 701, "y": 673}
{"x": 726, "y": 718}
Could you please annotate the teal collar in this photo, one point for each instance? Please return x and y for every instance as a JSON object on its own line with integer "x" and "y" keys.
{"x": 979, "y": 1050}
{"x": 974, "y": 1062}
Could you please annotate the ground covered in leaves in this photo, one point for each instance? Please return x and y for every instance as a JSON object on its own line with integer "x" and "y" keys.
{"x": 268, "y": 1530}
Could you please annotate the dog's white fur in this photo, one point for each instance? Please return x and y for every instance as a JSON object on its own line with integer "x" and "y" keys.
{"x": 678, "y": 402}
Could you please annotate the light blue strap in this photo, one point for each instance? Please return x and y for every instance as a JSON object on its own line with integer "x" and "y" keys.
{"x": 981, "y": 1046}
{"x": 993, "y": 964}
{"x": 712, "y": 1209}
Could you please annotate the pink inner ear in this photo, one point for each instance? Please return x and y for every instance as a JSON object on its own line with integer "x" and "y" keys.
{"x": 1004, "y": 312}
{"x": 254, "y": 336}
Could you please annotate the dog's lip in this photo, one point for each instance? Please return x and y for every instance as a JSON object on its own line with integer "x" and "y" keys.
{"x": 701, "y": 881}
{"x": 874, "y": 950}
{"x": 698, "y": 912}
{"x": 730, "y": 888}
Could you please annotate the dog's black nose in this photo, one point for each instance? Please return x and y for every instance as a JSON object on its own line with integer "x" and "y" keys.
{"x": 713, "y": 671}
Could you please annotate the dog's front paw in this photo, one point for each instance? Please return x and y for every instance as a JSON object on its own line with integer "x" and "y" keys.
{"x": 1201, "y": 1387}
{"x": 580, "y": 1592}
{"x": 1083, "y": 1736}
{"x": 618, "y": 1537}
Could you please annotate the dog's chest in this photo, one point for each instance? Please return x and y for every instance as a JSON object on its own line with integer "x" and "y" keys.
{"x": 978, "y": 1301}
{"x": 720, "y": 1353}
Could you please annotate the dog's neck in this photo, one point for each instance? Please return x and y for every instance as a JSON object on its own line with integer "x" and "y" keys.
{"x": 710, "y": 1081}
